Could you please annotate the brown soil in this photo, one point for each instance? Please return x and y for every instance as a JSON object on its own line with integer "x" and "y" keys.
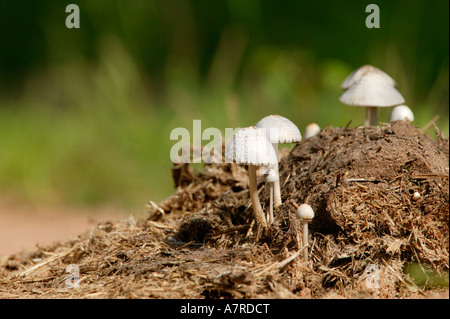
{"x": 201, "y": 242}
{"x": 24, "y": 227}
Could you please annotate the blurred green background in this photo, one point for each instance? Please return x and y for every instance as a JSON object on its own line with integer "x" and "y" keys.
{"x": 86, "y": 114}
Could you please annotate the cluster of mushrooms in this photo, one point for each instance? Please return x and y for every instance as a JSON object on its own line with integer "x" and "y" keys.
{"x": 371, "y": 88}
{"x": 257, "y": 146}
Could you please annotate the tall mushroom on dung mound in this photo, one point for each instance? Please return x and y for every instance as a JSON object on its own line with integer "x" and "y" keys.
{"x": 279, "y": 130}
{"x": 251, "y": 146}
{"x": 370, "y": 87}
{"x": 362, "y": 71}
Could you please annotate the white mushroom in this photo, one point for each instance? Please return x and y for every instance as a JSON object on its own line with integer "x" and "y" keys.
{"x": 279, "y": 130}
{"x": 251, "y": 146}
{"x": 272, "y": 178}
{"x": 312, "y": 129}
{"x": 362, "y": 71}
{"x": 306, "y": 214}
{"x": 401, "y": 112}
{"x": 416, "y": 196}
{"x": 371, "y": 88}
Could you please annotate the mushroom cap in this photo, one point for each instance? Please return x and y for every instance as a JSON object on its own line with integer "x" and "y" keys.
{"x": 373, "y": 90}
{"x": 272, "y": 176}
{"x": 401, "y": 112}
{"x": 279, "y": 129}
{"x": 305, "y": 211}
{"x": 312, "y": 129}
{"x": 250, "y": 145}
{"x": 363, "y": 71}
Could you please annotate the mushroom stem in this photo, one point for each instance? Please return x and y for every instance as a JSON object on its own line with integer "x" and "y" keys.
{"x": 271, "y": 204}
{"x": 276, "y": 187}
{"x": 371, "y": 116}
{"x": 257, "y": 209}
{"x": 305, "y": 239}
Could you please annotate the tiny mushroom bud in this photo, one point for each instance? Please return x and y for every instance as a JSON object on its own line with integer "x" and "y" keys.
{"x": 312, "y": 129}
{"x": 306, "y": 214}
{"x": 416, "y": 196}
{"x": 401, "y": 112}
{"x": 305, "y": 211}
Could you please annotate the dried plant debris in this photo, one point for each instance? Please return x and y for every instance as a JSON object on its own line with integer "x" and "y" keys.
{"x": 370, "y": 236}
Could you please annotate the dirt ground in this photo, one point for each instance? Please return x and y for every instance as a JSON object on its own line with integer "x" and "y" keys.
{"x": 23, "y": 227}
{"x": 370, "y": 237}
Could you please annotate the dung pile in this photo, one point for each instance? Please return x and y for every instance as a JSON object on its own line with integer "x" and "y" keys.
{"x": 200, "y": 242}
{"x": 361, "y": 183}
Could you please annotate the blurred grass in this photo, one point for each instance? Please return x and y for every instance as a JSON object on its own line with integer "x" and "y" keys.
{"x": 84, "y": 134}
{"x": 425, "y": 277}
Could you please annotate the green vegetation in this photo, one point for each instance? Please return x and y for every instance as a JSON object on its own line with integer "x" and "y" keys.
{"x": 425, "y": 277}
{"x": 85, "y": 115}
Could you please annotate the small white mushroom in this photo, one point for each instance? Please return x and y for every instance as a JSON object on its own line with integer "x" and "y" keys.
{"x": 306, "y": 214}
{"x": 371, "y": 88}
{"x": 272, "y": 177}
{"x": 279, "y": 130}
{"x": 312, "y": 129}
{"x": 416, "y": 196}
{"x": 401, "y": 113}
{"x": 251, "y": 146}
